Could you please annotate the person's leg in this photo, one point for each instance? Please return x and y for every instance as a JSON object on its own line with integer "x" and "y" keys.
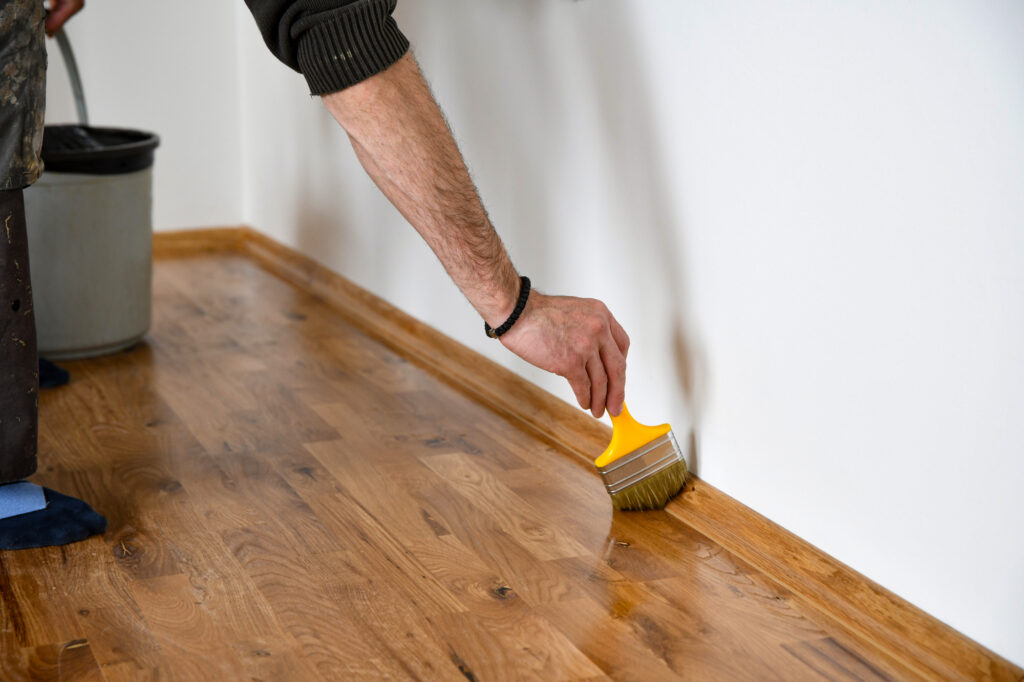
{"x": 18, "y": 370}
{"x": 22, "y": 103}
{"x": 30, "y": 516}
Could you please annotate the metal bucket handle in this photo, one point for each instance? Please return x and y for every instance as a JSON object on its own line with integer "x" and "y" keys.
{"x": 76, "y": 80}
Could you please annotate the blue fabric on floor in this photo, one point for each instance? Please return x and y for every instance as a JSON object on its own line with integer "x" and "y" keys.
{"x": 52, "y": 376}
{"x": 65, "y": 520}
{"x": 21, "y": 497}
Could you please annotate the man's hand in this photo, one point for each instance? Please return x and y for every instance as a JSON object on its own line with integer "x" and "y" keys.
{"x": 576, "y": 338}
{"x": 60, "y": 12}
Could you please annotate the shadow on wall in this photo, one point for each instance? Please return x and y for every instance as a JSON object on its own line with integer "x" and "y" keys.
{"x": 610, "y": 43}
{"x": 317, "y": 227}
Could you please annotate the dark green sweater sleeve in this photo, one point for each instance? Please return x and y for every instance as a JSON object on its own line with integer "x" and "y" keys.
{"x": 333, "y": 43}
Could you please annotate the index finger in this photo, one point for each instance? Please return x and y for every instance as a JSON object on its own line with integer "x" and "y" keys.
{"x": 615, "y": 367}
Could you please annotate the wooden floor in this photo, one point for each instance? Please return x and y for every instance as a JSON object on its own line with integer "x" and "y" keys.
{"x": 289, "y": 500}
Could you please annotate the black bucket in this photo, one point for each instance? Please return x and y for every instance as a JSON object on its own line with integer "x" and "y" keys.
{"x": 97, "y": 151}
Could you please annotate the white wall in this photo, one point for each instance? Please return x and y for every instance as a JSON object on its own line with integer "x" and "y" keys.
{"x": 850, "y": 192}
{"x": 809, "y": 216}
{"x": 167, "y": 67}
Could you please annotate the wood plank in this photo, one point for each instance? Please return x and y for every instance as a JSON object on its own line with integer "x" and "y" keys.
{"x": 833, "y": 661}
{"x": 334, "y": 645}
{"x": 405, "y": 635}
{"x": 611, "y": 643}
{"x": 185, "y": 632}
{"x": 122, "y": 642}
{"x": 12, "y": 627}
{"x": 513, "y": 647}
{"x": 71, "y": 661}
{"x": 512, "y": 514}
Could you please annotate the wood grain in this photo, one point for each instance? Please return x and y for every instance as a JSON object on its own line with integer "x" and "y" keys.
{"x": 910, "y": 639}
{"x": 290, "y": 498}
{"x": 174, "y": 243}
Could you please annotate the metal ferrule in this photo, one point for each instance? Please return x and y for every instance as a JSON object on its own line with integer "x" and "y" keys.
{"x": 641, "y": 463}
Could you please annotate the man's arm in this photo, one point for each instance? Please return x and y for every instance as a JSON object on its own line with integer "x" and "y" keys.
{"x": 352, "y": 53}
{"x": 403, "y": 142}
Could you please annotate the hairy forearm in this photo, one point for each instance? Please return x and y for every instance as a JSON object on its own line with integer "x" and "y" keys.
{"x": 403, "y": 142}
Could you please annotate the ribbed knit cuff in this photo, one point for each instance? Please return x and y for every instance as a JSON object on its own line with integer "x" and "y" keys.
{"x": 350, "y": 45}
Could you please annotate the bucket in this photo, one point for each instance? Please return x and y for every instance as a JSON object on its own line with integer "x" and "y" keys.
{"x": 90, "y": 240}
{"x": 90, "y": 236}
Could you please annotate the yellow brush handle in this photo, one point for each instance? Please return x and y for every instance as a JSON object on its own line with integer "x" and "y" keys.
{"x": 628, "y": 435}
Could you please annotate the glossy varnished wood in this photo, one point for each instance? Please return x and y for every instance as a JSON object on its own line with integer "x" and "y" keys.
{"x": 290, "y": 498}
{"x": 910, "y": 640}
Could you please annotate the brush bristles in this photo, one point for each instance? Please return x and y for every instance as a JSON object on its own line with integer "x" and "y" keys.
{"x": 653, "y": 492}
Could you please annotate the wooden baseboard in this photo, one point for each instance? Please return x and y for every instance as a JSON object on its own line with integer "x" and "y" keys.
{"x": 907, "y": 642}
{"x": 183, "y": 243}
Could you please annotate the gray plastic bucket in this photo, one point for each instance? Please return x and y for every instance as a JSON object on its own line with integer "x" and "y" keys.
{"x": 90, "y": 230}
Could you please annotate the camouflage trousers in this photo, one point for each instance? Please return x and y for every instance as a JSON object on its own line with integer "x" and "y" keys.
{"x": 22, "y": 101}
{"x": 22, "y": 91}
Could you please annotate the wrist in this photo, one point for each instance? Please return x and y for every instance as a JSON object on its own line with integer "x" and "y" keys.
{"x": 526, "y": 317}
{"x": 522, "y": 298}
{"x": 500, "y": 304}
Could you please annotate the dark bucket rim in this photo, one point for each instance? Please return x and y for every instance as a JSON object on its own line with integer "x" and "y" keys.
{"x": 145, "y": 141}
{"x": 132, "y": 150}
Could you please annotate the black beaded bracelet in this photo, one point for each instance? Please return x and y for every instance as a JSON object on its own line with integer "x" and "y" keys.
{"x": 524, "y": 293}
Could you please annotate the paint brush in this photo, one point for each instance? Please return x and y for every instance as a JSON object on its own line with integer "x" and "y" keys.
{"x": 643, "y": 467}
